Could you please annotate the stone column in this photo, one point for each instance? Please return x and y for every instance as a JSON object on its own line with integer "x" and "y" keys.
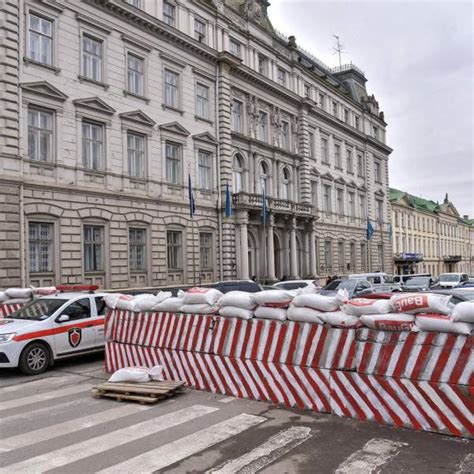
{"x": 303, "y": 149}
{"x": 270, "y": 251}
{"x": 293, "y": 254}
{"x": 312, "y": 251}
{"x": 242, "y": 221}
{"x": 305, "y": 271}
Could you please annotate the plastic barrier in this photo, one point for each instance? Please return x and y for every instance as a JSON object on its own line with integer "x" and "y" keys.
{"x": 7, "y": 309}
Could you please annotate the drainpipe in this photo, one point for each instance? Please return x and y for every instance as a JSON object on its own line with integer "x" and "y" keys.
{"x": 20, "y": 141}
{"x": 218, "y": 167}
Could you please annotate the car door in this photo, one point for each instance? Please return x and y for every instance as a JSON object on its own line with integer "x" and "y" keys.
{"x": 78, "y": 333}
{"x": 98, "y": 316}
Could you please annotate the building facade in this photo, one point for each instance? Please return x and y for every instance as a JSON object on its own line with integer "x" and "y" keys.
{"x": 111, "y": 108}
{"x": 429, "y": 237}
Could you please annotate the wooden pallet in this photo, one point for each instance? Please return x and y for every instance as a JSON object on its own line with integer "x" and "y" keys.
{"x": 148, "y": 392}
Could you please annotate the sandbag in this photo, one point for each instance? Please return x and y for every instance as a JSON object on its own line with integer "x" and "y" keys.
{"x": 235, "y": 312}
{"x": 202, "y": 296}
{"x": 199, "y": 308}
{"x": 238, "y": 299}
{"x": 44, "y": 291}
{"x": 266, "y": 312}
{"x": 273, "y": 298}
{"x": 463, "y": 312}
{"x": 137, "y": 374}
{"x": 125, "y": 302}
{"x": 441, "y": 323}
{"x": 361, "y": 306}
{"x": 111, "y": 300}
{"x": 414, "y": 303}
{"x": 321, "y": 302}
{"x": 3, "y": 296}
{"x": 305, "y": 315}
{"x": 169, "y": 305}
{"x": 18, "y": 301}
{"x": 147, "y": 302}
{"x": 340, "y": 319}
{"x": 22, "y": 293}
{"x": 389, "y": 321}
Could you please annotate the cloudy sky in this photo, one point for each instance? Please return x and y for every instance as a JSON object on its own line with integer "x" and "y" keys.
{"x": 418, "y": 59}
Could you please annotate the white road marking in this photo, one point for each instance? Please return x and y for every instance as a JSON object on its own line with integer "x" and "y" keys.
{"x": 226, "y": 400}
{"x": 47, "y": 382}
{"x": 467, "y": 465}
{"x": 99, "y": 444}
{"x": 68, "y": 427}
{"x": 182, "y": 448}
{"x": 45, "y": 396}
{"x": 263, "y": 455}
{"x": 374, "y": 454}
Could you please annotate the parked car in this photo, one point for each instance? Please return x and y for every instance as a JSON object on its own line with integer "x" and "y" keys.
{"x": 354, "y": 286}
{"x": 467, "y": 284}
{"x": 381, "y": 281}
{"x": 295, "y": 284}
{"x": 402, "y": 279}
{"x": 457, "y": 294}
{"x": 417, "y": 284}
{"x": 451, "y": 280}
{"x": 236, "y": 285}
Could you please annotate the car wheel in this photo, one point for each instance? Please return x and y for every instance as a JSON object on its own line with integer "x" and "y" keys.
{"x": 34, "y": 359}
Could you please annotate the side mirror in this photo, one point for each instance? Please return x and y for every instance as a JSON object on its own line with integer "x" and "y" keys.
{"x": 63, "y": 318}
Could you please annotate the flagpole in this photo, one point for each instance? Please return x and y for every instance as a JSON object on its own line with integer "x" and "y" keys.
{"x": 194, "y": 254}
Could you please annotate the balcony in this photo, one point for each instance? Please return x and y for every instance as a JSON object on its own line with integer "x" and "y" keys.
{"x": 452, "y": 258}
{"x": 408, "y": 257}
{"x": 279, "y": 206}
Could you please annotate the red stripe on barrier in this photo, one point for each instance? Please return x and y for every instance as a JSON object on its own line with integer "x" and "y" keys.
{"x": 319, "y": 348}
{"x": 405, "y": 353}
{"x": 443, "y": 357}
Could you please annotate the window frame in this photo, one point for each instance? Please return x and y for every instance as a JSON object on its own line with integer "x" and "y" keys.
{"x": 85, "y": 242}
{"x": 135, "y": 268}
{"x": 173, "y": 16}
{"x": 238, "y": 170}
{"x": 325, "y": 150}
{"x": 140, "y": 57}
{"x": 143, "y": 173}
{"x": 282, "y": 77}
{"x": 209, "y": 167}
{"x": 201, "y": 21}
{"x": 103, "y": 59}
{"x": 238, "y": 52}
{"x": 102, "y": 126}
{"x": 240, "y": 123}
{"x": 52, "y": 249}
{"x": 53, "y": 37}
{"x": 263, "y": 126}
{"x": 179, "y": 252}
{"x": 52, "y": 136}
{"x": 207, "y": 115}
{"x": 177, "y": 105}
{"x": 209, "y": 248}
{"x": 178, "y": 161}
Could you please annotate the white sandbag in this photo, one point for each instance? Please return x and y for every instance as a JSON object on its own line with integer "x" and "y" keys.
{"x": 137, "y": 374}
{"x": 125, "y": 302}
{"x": 361, "y": 306}
{"x": 322, "y": 302}
{"x": 235, "y": 312}
{"x": 273, "y": 298}
{"x": 441, "y": 323}
{"x": 169, "y": 305}
{"x": 305, "y": 315}
{"x": 111, "y": 299}
{"x": 463, "y": 312}
{"x": 3, "y": 296}
{"x": 340, "y": 319}
{"x": 420, "y": 303}
{"x": 22, "y": 293}
{"x": 266, "y": 312}
{"x": 202, "y": 296}
{"x": 18, "y": 301}
{"x": 44, "y": 291}
{"x": 389, "y": 321}
{"x": 199, "y": 308}
{"x": 147, "y": 302}
{"x": 238, "y": 299}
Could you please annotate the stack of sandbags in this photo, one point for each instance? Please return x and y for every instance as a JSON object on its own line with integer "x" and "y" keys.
{"x": 432, "y": 312}
{"x": 463, "y": 312}
{"x": 237, "y": 304}
{"x": 172, "y": 304}
{"x": 138, "y": 303}
{"x": 272, "y": 304}
{"x": 44, "y": 291}
{"x": 16, "y": 296}
{"x": 201, "y": 301}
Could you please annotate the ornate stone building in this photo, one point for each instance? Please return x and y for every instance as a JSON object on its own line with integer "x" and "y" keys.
{"x": 429, "y": 237}
{"x": 106, "y": 108}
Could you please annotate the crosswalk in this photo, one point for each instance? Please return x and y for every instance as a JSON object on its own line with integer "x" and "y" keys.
{"x": 104, "y": 436}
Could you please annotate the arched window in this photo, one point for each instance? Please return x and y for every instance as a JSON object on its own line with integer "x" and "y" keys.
{"x": 237, "y": 174}
{"x": 263, "y": 176}
{"x": 285, "y": 184}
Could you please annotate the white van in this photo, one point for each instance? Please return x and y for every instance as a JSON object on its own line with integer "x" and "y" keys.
{"x": 402, "y": 279}
{"x": 378, "y": 279}
{"x": 451, "y": 280}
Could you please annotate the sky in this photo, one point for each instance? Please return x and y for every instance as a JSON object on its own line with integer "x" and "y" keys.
{"x": 418, "y": 59}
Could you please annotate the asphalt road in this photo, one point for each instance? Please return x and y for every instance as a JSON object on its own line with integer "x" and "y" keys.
{"x": 52, "y": 423}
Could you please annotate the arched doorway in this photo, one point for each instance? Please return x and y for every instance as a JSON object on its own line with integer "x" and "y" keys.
{"x": 253, "y": 255}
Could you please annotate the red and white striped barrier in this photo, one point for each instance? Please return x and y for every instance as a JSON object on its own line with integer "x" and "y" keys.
{"x": 432, "y": 356}
{"x": 421, "y": 405}
{"x": 7, "y": 309}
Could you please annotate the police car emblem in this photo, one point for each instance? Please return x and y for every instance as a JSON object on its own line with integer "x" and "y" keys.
{"x": 75, "y": 336}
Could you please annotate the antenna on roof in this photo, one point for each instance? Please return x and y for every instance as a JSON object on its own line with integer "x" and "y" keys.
{"x": 339, "y": 48}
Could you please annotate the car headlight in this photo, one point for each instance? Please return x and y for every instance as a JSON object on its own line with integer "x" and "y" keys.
{"x": 7, "y": 337}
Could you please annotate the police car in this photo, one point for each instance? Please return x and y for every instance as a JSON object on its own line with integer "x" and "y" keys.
{"x": 50, "y": 328}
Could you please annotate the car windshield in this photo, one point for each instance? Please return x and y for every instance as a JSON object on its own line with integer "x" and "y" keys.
{"x": 340, "y": 285}
{"x": 38, "y": 310}
{"x": 417, "y": 281}
{"x": 293, "y": 285}
{"x": 448, "y": 277}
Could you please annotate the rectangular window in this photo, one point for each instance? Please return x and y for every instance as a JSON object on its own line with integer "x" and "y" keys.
{"x": 285, "y": 135}
{"x": 169, "y": 13}
{"x": 340, "y": 256}
{"x": 236, "y": 117}
{"x": 92, "y": 58}
{"x": 40, "y": 40}
{"x": 334, "y": 109}
{"x": 351, "y": 204}
{"x": 350, "y": 163}
{"x": 200, "y": 30}
{"x": 281, "y": 77}
{"x": 340, "y": 201}
{"x": 363, "y": 212}
{"x": 337, "y": 156}
{"x": 135, "y": 3}
{"x": 324, "y": 150}
{"x": 93, "y": 248}
{"x": 311, "y": 144}
{"x": 363, "y": 254}
{"x": 92, "y": 145}
{"x": 137, "y": 249}
{"x": 205, "y": 169}
{"x": 328, "y": 254}
{"x": 346, "y": 116}
{"x": 205, "y": 250}
{"x": 262, "y": 64}
{"x": 327, "y": 198}
{"x": 174, "y": 249}
{"x": 136, "y": 155}
{"x": 171, "y": 89}
{"x": 314, "y": 194}
{"x": 357, "y": 122}
{"x": 307, "y": 91}
{"x": 234, "y": 47}
{"x": 135, "y": 74}
{"x": 202, "y": 101}
{"x": 360, "y": 165}
{"x": 376, "y": 132}
{"x": 263, "y": 126}
{"x": 379, "y": 209}
{"x": 40, "y": 241}
{"x": 173, "y": 161}
{"x": 40, "y": 135}
{"x": 322, "y": 101}
{"x": 378, "y": 171}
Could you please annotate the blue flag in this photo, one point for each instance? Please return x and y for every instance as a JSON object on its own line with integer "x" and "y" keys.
{"x": 192, "y": 204}
{"x": 228, "y": 202}
{"x": 370, "y": 229}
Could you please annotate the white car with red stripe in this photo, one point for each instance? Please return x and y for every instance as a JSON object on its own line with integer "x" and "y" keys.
{"x": 52, "y": 328}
